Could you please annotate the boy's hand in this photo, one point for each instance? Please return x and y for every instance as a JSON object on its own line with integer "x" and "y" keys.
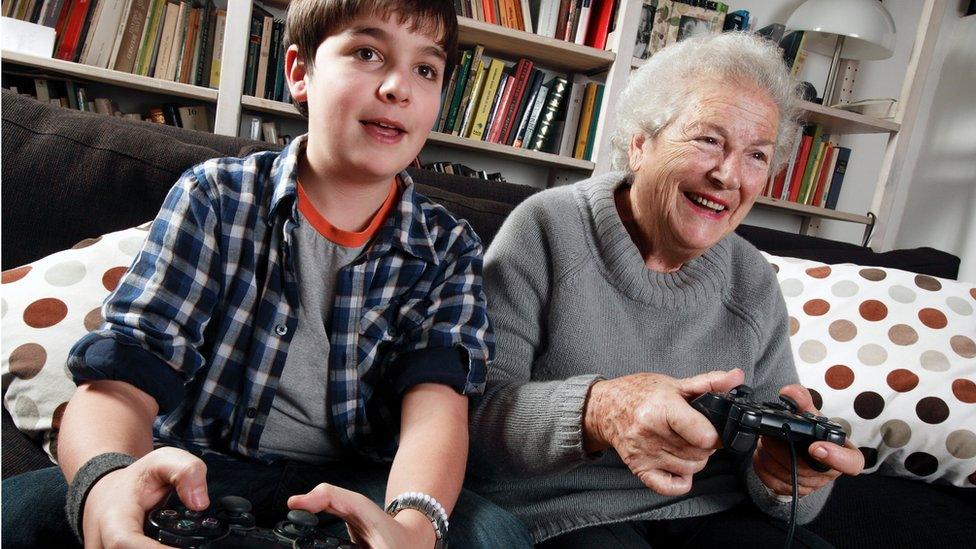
{"x": 117, "y": 504}
{"x": 368, "y": 524}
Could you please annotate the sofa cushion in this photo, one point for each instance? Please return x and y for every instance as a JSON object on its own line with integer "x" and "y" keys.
{"x": 891, "y": 356}
{"x": 47, "y": 306}
{"x": 69, "y": 175}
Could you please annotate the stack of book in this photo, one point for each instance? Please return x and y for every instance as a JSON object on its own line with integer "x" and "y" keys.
{"x": 454, "y": 168}
{"x": 171, "y": 40}
{"x": 584, "y": 22}
{"x": 489, "y": 100}
{"x": 815, "y": 172}
{"x": 265, "y": 75}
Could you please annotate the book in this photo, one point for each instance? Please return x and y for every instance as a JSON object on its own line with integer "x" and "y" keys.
{"x": 546, "y": 18}
{"x": 179, "y": 38}
{"x": 460, "y": 84}
{"x": 801, "y": 161}
{"x": 557, "y": 90}
{"x": 526, "y": 13}
{"x": 219, "y": 24}
{"x": 273, "y": 68}
{"x": 837, "y": 178}
{"x": 101, "y": 40}
{"x": 533, "y": 122}
{"x": 261, "y": 77}
{"x": 132, "y": 57}
{"x": 492, "y": 80}
{"x": 206, "y": 43}
{"x": 170, "y": 20}
{"x": 188, "y": 51}
{"x": 253, "y": 51}
{"x": 523, "y": 74}
{"x": 602, "y": 20}
{"x": 475, "y": 99}
{"x": 583, "y": 134}
{"x": 583, "y": 22}
{"x": 474, "y": 66}
{"x": 820, "y": 139}
{"x": 525, "y": 112}
{"x": 594, "y": 122}
{"x": 195, "y": 118}
{"x": 449, "y": 95}
{"x": 68, "y": 46}
{"x": 816, "y": 197}
{"x": 127, "y": 38}
{"x": 147, "y": 50}
{"x": 504, "y": 87}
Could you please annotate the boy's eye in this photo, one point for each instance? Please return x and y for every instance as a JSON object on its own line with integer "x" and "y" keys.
{"x": 367, "y": 54}
{"x": 427, "y": 71}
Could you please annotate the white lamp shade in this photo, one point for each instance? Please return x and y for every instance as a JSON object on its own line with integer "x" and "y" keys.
{"x": 866, "y": 24}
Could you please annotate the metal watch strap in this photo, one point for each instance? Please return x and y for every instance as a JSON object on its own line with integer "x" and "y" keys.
{"x": 427, "y": 505}
{"x": 86, "y": 477}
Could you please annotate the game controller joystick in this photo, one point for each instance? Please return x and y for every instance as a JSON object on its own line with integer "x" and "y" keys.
{"x": 740, "y": 422}
{"x": 233, "y": 525}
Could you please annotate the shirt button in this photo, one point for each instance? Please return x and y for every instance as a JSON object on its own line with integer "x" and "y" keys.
{"x": 281, "y": 329}
{"x": 251, "y": 412}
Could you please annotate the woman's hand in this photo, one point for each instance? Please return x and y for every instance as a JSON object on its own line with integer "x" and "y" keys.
{"x": 647, "y": 419}
{"x": 368, "y": 524}
{"x": 771, "y": 460}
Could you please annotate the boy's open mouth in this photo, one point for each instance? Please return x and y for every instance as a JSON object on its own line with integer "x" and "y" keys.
{"x": 384, "y": 127}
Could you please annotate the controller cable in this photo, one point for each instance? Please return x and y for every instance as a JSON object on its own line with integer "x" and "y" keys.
{"x": 789, "y": 442}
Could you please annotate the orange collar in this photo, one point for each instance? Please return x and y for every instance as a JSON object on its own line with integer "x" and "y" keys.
{"x": 338, "y": 236}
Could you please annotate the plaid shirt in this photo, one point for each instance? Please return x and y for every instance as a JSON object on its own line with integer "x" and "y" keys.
{"x": 212, "y": 298}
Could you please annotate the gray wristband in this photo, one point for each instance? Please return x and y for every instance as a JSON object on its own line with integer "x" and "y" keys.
{"x": 86, "y": 477}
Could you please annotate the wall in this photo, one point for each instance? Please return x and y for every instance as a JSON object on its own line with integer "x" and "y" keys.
{"x": 935, "y": 206}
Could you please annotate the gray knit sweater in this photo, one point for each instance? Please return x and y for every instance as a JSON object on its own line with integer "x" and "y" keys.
{"x": 572, "y": 302}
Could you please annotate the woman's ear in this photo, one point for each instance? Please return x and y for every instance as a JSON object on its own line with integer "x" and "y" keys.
{"x": 635, "y": 151}
{"x": 295, "y": 73}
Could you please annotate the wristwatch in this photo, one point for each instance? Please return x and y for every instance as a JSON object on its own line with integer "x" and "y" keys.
{"x": 427, "y": 505}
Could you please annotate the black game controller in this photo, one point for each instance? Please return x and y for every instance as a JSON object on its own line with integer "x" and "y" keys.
{"x": 740, "y": 422}
{"x": 233, "y": 525}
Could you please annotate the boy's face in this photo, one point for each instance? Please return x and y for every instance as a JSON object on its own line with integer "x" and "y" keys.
{"x": 372, "y": 98}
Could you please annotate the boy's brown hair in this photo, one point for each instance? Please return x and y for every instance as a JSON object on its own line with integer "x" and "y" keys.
{"x": 309, "y": 22}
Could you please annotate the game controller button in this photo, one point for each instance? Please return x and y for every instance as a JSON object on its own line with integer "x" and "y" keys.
{"x": 822, "y": 419}
{"x": 741, "y": 391}
{"x": 790, "y": 404}
{"x": 192, "y": 514}
{"x": 302, "y": 520}
{"x": 235, "y": 504}
{"x": 210, "y": 522}
{"x": 185, "y": 524}
{"x": 169, "y": 514}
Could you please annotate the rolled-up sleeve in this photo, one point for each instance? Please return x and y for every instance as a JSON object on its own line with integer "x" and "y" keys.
{"x": 156, "y": 317}
{"x": 453, "y": 343}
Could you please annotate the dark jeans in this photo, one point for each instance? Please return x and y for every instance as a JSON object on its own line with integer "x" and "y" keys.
{"x": 740, "y": 527}
{"x": 33, "y": 503}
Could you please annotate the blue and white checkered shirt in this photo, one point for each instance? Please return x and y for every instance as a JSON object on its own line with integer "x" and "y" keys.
{"x": 203, "y": 318}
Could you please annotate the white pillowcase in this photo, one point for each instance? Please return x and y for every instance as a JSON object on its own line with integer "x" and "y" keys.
{"x": 891, "y": 356}
{"x": 47, "y": 306}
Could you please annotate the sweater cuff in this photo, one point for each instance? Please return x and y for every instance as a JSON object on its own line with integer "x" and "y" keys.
{"x": 86, "y": 477}
{"x": 570, "y": 403}
{"x": 778, "y": 507}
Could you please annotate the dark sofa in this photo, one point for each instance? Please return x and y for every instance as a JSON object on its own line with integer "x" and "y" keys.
{"x": 69, "y": 175}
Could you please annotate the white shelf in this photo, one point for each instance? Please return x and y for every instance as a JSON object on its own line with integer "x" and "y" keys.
{"x": 811, "y": 211}
{"x": 838, "y": 121}
{"x": 58, "y": 67}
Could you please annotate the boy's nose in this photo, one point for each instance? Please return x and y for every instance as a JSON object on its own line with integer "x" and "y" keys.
{"x": 395, "y": 88}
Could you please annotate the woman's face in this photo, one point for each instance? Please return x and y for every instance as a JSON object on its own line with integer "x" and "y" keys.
{"x": 698, "y": 178}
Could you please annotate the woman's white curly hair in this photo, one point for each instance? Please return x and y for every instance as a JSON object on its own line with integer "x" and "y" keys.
{"x": 658, "y": 90}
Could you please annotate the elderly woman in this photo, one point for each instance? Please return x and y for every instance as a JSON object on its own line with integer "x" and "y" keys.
{"x": 617, "y": 300}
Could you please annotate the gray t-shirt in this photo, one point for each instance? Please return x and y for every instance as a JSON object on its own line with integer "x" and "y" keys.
{"x": 298, "y": 424}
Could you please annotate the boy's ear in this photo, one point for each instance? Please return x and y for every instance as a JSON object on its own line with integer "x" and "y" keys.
{"x": 295, "y": 72}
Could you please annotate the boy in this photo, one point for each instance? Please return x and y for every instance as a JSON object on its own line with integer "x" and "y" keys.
{"x": 293, "y": 316}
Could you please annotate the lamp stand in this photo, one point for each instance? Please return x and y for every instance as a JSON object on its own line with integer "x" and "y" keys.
{"x": 828, "y": 93}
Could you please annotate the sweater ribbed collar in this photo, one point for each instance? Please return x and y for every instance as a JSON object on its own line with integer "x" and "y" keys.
{"x": 696, "y": 282}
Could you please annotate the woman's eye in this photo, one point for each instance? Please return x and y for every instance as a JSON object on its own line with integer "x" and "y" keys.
{"x": 427, "y": 71}
{"x": 708, "y": 140}
{"x": 761, "y": 156}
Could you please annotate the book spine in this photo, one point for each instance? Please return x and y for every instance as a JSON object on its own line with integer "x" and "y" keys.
{"x": 166, "y": 40}
{"x": 460, "y": 86}
{"x": 203, "y": 50}
{"x": 449, "y": 96}
{"x": 798, "y": 170}
{"x": 526, "y": 11}
{"x": 583, "y": 135}
{"x": 584, "y": 21}
{"x": 261, "y": 78}
{"x": 837, "y": 179}
{"x": 556, "y": 92}
{"x": 73, "y": 30}
{"x": 594, "y": 121}
{"x": 498, "y": 123}
{"x": 822, "y": 176}
{"x": 269, "y": 88}
{"x": 153, "y": 56}
{"x": 503, "y": 85}
{"x": 475, "y": 99}
{"x": 521, "y": 119}
{"x": 597, "y": 34}
{"x": 492, "y": 80}
{"x": 522, "y": 75}
{"x": 219, "y": 24}
{"x": 532, "y": 119}
{"x": 253, "y": 50}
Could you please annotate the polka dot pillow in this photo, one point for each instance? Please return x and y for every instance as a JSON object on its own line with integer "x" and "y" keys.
{"x": 891, "y": 356}
{"x": 47, "y": 306}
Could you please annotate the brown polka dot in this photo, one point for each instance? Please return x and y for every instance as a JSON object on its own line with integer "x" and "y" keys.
{"x": 963, "y": 346}
{"x": 93, "y": 320}
{"x": 926, "y": 282}
{"x": 839, "y": 377}
{"x": 13, "y": 275}
{"x": 817, "y": 399}
{"x": 816, "y": 307}
{"x": 933, "y": 318}
{"x": 842, "y": 330}
{"x": 902, "y": 380}
{"x": 112, "y": 277}
{"x": 869, "y": 405}
{"x": 85, "y": 243}
{"x": 27, "y": 360}
{"x": 45, "y": 313}
{"x": 58, "y": 414}
{"x": 932, "y": 410}
{"x": 819, "y": 272}
{"x": 972, "y": 293}
{"x": 922, "y": 464}
{"x": 794, "y": 326}
{"x": 902, "y": 334}
{"x": 873, "y": 275}
{"x": 965, "y": 390}
{"x": 873, "y": 310}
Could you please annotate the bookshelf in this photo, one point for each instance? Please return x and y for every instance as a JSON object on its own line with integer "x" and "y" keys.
{"x": 613, "y": 65}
